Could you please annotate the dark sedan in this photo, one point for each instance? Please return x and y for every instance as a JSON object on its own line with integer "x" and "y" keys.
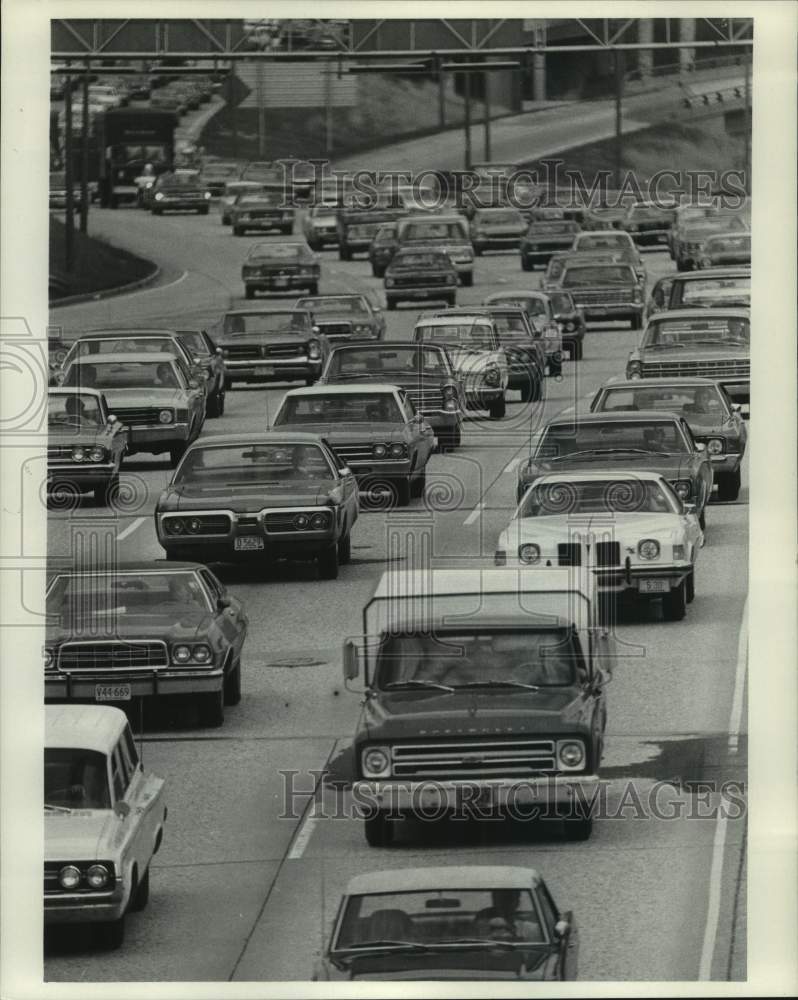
{"x": 271, "y": 345}
{"x": 280, "y": 267}
{"x": 261, "y": 211}
{"x": 544, "y": 238}
{"x": 345, "y": 317}
{"x": 178, "y": 192}
{"x": 423, "y": 274}
{"x": 382, "y": 248}
{"x": 648, "y": 440}
{"x": 205, "y": 353}
{"x": 263, "y": 497}
{"x": 144, "y": 629}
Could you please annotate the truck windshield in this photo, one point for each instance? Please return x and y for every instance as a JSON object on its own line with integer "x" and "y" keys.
{"x": 500, "y": 657}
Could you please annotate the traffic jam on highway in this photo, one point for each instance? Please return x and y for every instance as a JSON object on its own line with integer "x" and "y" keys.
{"x": 427, "y": 559}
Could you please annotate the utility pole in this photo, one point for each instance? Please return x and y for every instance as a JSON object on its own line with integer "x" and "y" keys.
{"x": 441, "y": 96}
{"x": 619, "y": 72}
{"x": 69, "y": 227}
{"x": 467, "y": 95}
{"x": 328, "y": 109}
{"x": 747, "y": 120}
{"x": 84, "y": 156}
{"x": 486, "y": 83}
{"x": 261, "y": 109}
{"x": 231, "y": 97}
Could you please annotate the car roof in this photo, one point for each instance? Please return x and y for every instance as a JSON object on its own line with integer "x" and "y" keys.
{"x": 515, "y": 293}
{"x": 735, "y": 312}
{"x": 400, "y": 584}
{"x": 133, "y": 566}
{"x": 461, "y": 317}
{"x": 742, "y": 270}
{"x": 381, "y": 345}
{"x": 266, "y": 310}
{"x": 74, "y": 391}
{"x": 87, "y": 727}
{"x": 339, "y": 390}
{"x": 155, "y": 356}
{"x": 121, "y": 334}
{"x": 654, "y": 383}
{"x": 593, "y": 477}
{"x": 603, "y": 233}
{"x": 267, "y": 436}
{"x": 332, "y": 295}
{"x": 625, "y": 416}
{"x": 442, "y": 217}
{"x": 444, "y": 877}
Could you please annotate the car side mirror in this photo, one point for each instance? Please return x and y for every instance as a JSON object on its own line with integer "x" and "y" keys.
{"x": 345, "y": 471}
{"x": 700, "y": 446}
{"x": 737, "y": 407}
{"x": 193, "y": 383}
{"x": 222, "y": 602}
{"x": 689, "y": 508}
{"x": 561, "y": 929}
{"x": 121, "y": 809}
{"x": 219, "y": 351}
{"x": 351, "y": 660}
{"x": 112, "y": 419}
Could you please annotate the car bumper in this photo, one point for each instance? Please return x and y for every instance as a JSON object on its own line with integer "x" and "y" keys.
{"x": 722, "y": 259}
{"x": 277, "y": 370}
{"x": 618, "y": 310}
{"x": 182, "y": 204}
{"x": 282, "y": 284}
{"x": 730, "y": 462}
{"x": 87, "y": 476}
{"x": 649, "y": 237}
{"x": 638, "y": 578}
{"x": 261, "y": 225}
{"x": 399, "y": 469}
{"x": 499, "y": 794}
{"x": 418, "y": 292}
{"x": 146, "y": 438}
{"x": 443, "y": 420}
{"x": 322, "y": 236}
{"x": 498, "y": 243}
{"x": 65, "y": 686}
{"x": 84, "y": 907}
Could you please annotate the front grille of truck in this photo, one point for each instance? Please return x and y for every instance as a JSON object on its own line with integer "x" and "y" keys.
{"x": 478, "y": 758}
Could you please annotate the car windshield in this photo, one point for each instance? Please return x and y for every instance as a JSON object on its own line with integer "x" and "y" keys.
{"x": 471, "y": 336}
{"x": 265, "y": 200}
{"x": 563, "y": 228}
{"x": 387, "y": 234}
{"x": 688, "y": 400}
{"x": 124, "y": 345}
{"x": 420, "y": 261}
{"x": 236, "y": 187}
{"x": 263, "y": 172}
{"x": 511, "y": 327}
{"x": 704, "y": 330}
{"x": 729, "y": 241}
{"x": 75, "y": 779}
{"x": 720, "y": 291}
{"x": 583, "y": 277}
{"x": 335, "y": 304}
{"x": 82, "y": 597}
{"x": 439, "y": 918}
{"x": 193, "y": 341}
{"x": 499, "y": 219}
{"x": 599, "y": 242}
{"x": 75, "y": 409}
{"x": 427, "y": 230}
{"x": 220, "y": 170}
{"x": 561, "y": 302}
{"x": 178, "y": 180}
{"x": 323, "y": 210}
{"x": 531, "y": 305}
{"x": 253, "y": 462}
{"x": 379, "y": 361}
{"x": 359, "y": 408}
{"x": 295, "y": 323}
{"x": 276, "y": 251}
{"x": 562, "y": 440}
{"x": 611, "y": 496}
{"x": 546, "y": 657}
{"x": 123, "y": 375}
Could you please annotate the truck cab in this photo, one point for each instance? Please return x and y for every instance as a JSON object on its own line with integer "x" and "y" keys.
{"x": 484, "y": 690}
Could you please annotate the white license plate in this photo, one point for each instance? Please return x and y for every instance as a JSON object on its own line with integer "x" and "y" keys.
{"x": 248, "y": 544}
{"x": 112, "y": 692}
{"x": 264, "y": 371}
{"x": 653, "y": 586}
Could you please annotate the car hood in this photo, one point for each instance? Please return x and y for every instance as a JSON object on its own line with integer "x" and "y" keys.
{"x": 83, "y": 834}
{"x": 248, "y": 498}
{"x": 471, "y": 712}
{"x": 671, "y": 466}
{"x": 266, "y": 340}
{"x": 405, "y": 380}
{"x": 705, "y": 352}
{"x": 465, "y": 360}
{"x": 561, "y": 527}
{"x": 345, "y": 433}
{"x": 145, "y": 397}
{"x": 144, "y": 625}
{"x": 445, "y": 964}
{"x": 71, "y": 435}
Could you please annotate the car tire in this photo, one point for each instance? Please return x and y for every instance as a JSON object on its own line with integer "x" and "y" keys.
{"x": 378, "y": 272}
{"x": 477, "y": 251}
{"x": 249, "y": 293}
{"x": 497, "y": 408}
{"x": 575, "y": 350}
{"x": 238, "y": 231}
{"x": 390, "y": 303}
{"x": 419, "y": 484}
{"x": 211, "y": 709}
{"x": 530, "y": 391}
{"x": 468, "y": 279}
{"x": 674, "y": 603}
{"x": 345, "y": 549}
{"x": 702, "y": 520}
{"x": 527, "y": 265}
{"x": 176, "y": 453}
{"x": 728, "y": 485}
{"x": 378, "y": 830}
{"x": 636, "y": 323}
{"x": 141, "y": 894}
{"x": 215, "y": 405}
{"x": 111, "y": 934}
{"x": 328, "y": 563}
{"x": 452, "y": 300}
{"x": 105, "y": 495}
{"x": 451, "y": 440}
{"x": 344, "y": 253}
{"x": 402, "y": 491}
{"x": 228, "y": 383}
{"x": 578, "y": 828}
{"x": 157, "y": 211}
{"x": 204, "y": 210}
{"x": 313, "y": 289}
{"x": 232, "y": 685}
{"x": 689, "y": 593}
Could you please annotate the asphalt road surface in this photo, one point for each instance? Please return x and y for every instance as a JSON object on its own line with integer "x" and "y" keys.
{"x": 239, "y": 893}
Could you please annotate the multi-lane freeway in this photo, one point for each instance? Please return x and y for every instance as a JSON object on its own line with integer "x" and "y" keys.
{"x": 240, "y": 892}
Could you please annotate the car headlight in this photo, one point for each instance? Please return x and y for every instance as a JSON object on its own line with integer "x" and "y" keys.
{"x": 637, "y": 295}
{"x": 78, "y": 454}
{"x": 194, "y": 525}
{"x": 376, "y": 762}
{"x": 398, "y": 450}
{"x": 451, "y": 279}
{"x": 181, "y": 654}
{"x": 569, "y": 327}
{"x": 301, "y": 522}
{"x": 570, "y": 755}
{"x": 683, "y": 488}
{"x": 158, "y": 196}
{"x": 361, "y": 328}
{"x": 47, "y": 656}
{"x": 174, "y": 526}
{"x": 206, "y": 195}
{"x": 320, "y": 522}
{"x": 379, "y": 450}
{"x": 166, "y": 416}
{"x": 529, "y": 553}
{"x": 492, "y": 376}
{"x": 314, "y": 350}
{"x": 97, "y": 454}
{"x": 450, "y": 404}
{"x": 715, "y": 446}
{"x": 634, "y": 369}
{"x": 97, "y": 876}
{"x": 201, "y": 653}
{"x": 389, "y": 282}
{"x": 679, "y": 552}
{"x": 705, "y": 262}
{"x": 69, "y": 877}
{"x": 648, "y": 548}
{"x": 450, "y": 391}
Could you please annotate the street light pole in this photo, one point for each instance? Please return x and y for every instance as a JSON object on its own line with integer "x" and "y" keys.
{"x": 748, "y": 124}
{"x": 69, "y": 228}
{"x": 619, "y": 71}
{"x": 486, "y": 79}
{"x": 467, "y": 109}
{"x": 84, "y": 157}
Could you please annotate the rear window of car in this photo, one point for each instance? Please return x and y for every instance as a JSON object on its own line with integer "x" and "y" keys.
{"x": 276, "y": 251}
{"x": 361, "y": 408}
{"x": 295, "y": 323}
{"x": 582, "y": 277}
{"x": 428, "y": 230}
{"x": 553, "y": 228}
{"x": 421, "y": 261}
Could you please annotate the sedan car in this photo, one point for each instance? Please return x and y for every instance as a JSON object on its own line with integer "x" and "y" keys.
{"x": 464, "y": 922}
{"x": 85, "y": 444}
{"x": 232, "y": 191}
{"x": 540, "y": 315}
{"x": 648, "y": 223}
{"x": 271, "y": 345}
{"x": 712, "y": 344}
{"x": 58, "y": 192}
{"x": 603, "y": 291}
{"x": 375, "y": 430}
{"x": 382, "y": 248}
{"x": 104, "y": 819}
{"x": 261, "y": 211}
{"x": 153, "y": 394}
{"x": 207, "y": 355}
{"x": 216, "y": 174}
{"x": 260, "y": 496}
{"x": 175, "y": 192}
{"x": 609, "y": 241}
{"x": 280, "y": 267}
{"x": 423, "y": 371}
{"x": 319, "y": 225}
{"x": 646, "y": 441}
{"x": 472, "y": 343}
{"x": 496, "y": 229}
{"x": 144, "y": 629}
{"x": 630, "y": 528}
{"x": 544, "y": 238}
{"x": 713, "y": 419}
{"x": 345, "y": 317}
{"x": 723, "y": 249}
{"x": 571, "y": 322}
{"x": 714, "y": 288}
{"x": 417, "y": 273}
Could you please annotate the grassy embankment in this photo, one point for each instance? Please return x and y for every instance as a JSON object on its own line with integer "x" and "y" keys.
{"x": 98, "y": 265}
